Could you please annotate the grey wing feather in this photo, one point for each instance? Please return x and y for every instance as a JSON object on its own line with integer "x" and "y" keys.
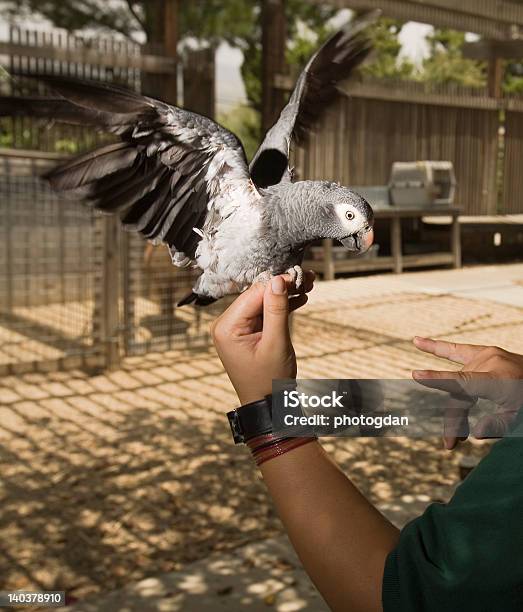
{"x": 315, "y": 90}
{"x": 173, "y": 175}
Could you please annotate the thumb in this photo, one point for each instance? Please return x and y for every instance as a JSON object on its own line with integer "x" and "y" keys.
{"x": 276, "y": 312}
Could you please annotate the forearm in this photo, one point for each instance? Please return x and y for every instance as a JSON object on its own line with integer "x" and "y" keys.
{"x": 341, "y": 538}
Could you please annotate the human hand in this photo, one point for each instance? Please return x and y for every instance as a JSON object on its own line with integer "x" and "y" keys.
{"x": 488, "y": 372}
{"x": 253, "y": 340}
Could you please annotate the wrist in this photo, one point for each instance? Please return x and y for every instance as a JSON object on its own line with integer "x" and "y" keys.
{"x": 248, "y": 396}
{"x": 257, "y": 389}
{"x": 252, "y": 424}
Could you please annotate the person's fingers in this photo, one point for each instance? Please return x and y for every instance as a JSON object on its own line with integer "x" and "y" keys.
{"x": 456, "y": 422}
{"x": 307, "y": 286}
{"x": 450, "y": 443}
{"x": 245, "y": 308}
{"x": 495, "y": 425}
{"x": 455, "y": 416}
{"x": 451, "y": 382}
{"x": 276, "y": 312}
{"x": 248, "y": 306}
{"x": 460, "y": 353}
{"x": 297, "y": 302}
{"x": 463, "y": 384}
{"x": 308, "y": 280}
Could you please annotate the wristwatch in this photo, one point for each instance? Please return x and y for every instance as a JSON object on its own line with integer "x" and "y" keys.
{"x": 251, "y": 420}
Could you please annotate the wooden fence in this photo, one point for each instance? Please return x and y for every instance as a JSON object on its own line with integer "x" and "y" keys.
{"x": 364, "y": 133}
{"x": 99, "y": 58}
{"x": 513, "y": 162}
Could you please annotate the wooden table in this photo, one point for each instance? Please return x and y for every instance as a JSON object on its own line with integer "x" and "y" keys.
{"x": 396, "y": 262}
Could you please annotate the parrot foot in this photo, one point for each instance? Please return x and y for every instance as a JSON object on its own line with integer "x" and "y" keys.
{"x": 263, "y": 278}
{"x": 296, "y": 274}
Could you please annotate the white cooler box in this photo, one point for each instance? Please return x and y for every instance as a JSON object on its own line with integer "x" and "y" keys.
{"x": 422, "y": 184}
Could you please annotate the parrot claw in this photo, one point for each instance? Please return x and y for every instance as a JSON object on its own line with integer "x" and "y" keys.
{"x": 263, "y": 278}
{"x": 296, "y": 274}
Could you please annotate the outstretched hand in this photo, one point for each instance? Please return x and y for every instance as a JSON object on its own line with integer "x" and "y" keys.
{"x": 252, "y": 336}
{"x": 488, "y": 372}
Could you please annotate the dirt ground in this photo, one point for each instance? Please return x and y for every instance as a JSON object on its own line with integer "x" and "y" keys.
{"x": 108, "y": 479}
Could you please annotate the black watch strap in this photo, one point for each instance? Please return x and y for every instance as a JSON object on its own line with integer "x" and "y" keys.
{"x": 251, "y": 420}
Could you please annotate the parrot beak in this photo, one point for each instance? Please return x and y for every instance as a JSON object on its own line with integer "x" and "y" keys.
{"x": 360, "y": 242}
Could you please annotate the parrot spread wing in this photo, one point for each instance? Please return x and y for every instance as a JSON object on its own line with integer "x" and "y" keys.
{"x": 173, "y": 176}
{"x": 315, "y": 90}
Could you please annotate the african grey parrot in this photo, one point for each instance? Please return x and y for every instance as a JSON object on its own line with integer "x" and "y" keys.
{"x": 181, "y": 179}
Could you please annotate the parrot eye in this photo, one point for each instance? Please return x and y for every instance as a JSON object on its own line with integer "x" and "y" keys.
{"x": 349, "y": 215}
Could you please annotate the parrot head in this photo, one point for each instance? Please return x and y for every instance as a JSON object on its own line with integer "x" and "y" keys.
{"x": 314, "y": 210}
{"x": 354, "y": 219}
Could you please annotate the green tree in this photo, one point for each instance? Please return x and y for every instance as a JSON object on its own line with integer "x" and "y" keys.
{"x": 386, "y": 61}
{"x": 513, "y": 83}
{"x": 243, "y": 121}
{"x": 211, "y": 22}
{"x": 306, "y": 28}
{"x": 446, "y": 63}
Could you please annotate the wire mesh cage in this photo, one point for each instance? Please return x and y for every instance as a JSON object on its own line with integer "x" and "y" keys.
{"x": 47, "y": 268}
{"x": 74, "y": 287}
{"x": 152, "y": 287}
{"x": 68, "y": 291}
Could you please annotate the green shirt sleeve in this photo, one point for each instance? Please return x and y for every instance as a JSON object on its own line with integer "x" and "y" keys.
{"x": 467, "y": 554}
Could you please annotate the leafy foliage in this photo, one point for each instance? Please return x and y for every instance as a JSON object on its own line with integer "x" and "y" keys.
{"x": 78, "y": 15}
{"x": 513, "y": 84}
{"x": 446, "y": 63}
{"x": 243, "y": 121}
{"x": 306, "y": 28}
{"x": 386, "y": 61}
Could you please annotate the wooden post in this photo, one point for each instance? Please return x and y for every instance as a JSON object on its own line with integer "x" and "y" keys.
{"x": 8, "y": 238}
{"x": 127, "y": 297}
{"x": 171, "y": 35}
{"x": 274, "y": 42}
{"x": 199, "y": 82}
{"x": 110, "y": 291}
{"x": 328, "y": 261}
{"x": 395, "y": 244}
{"x": 456, "y": 241}
{"x": 495, "y": 77}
